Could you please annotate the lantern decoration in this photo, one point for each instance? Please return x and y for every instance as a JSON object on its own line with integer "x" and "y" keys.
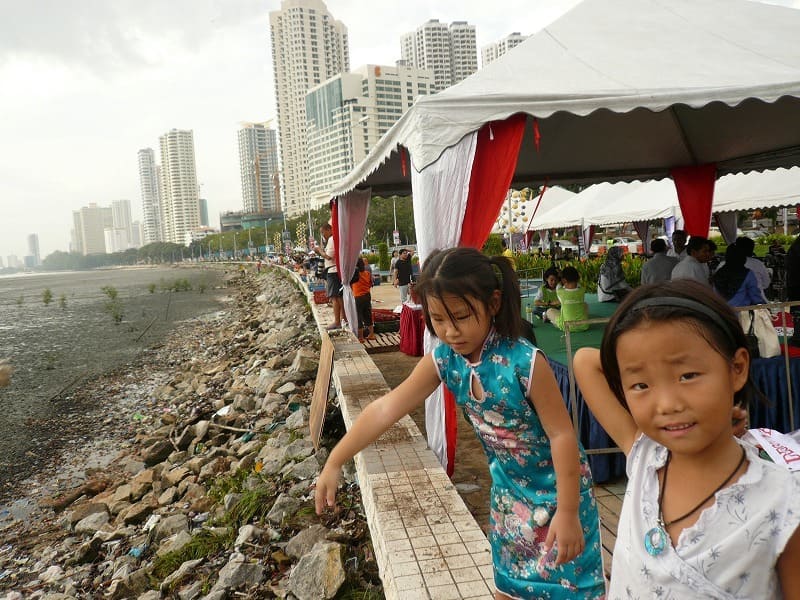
{"x": 514, "y": 214}
{"x": 276, "y": 240}
{"x": 301, "y": 235}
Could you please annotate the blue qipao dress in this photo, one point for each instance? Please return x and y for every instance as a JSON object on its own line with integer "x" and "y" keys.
{"x": 523, "y": 494}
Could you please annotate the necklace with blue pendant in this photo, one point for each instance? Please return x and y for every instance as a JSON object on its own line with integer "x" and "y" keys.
{"x": 656, "y": 539}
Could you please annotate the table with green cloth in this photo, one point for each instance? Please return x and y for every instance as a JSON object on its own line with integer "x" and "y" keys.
{"x": 769, "y": 376}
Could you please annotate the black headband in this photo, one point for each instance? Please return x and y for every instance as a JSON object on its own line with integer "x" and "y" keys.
{"x": 693, "y": 305}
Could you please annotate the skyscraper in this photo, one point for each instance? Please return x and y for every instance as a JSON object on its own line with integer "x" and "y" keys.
{"x": 90, "y": 225}
{"x": 33, "y": 249}
{"x": 494, "y": 51}
{"x": 349, "y": 113}
{"x": 258, "y": 164}
{"x": 180, "y": 198}
{"x": 308, "y": 47}
{"x": 119, "y": 236}
{"x": 149, "y": 186}
{"x": 203, "y": 212}
{"x": 449, "y": 51}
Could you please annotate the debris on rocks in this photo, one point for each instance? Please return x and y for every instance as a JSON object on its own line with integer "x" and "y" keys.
{"x": 205, "y": 487}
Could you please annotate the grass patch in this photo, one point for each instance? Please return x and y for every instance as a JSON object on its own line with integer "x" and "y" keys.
{"x": 203, "y": 544}
{"x": 230, "y": 484}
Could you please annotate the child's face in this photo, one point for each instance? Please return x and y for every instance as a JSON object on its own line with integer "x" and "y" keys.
{"x": 465, "y": 332}
{"x": 678, "y": 388}
{"x": 551, "y": 281}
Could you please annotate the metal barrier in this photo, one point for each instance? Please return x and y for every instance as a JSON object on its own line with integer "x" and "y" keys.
{"x": 573, "y": 396}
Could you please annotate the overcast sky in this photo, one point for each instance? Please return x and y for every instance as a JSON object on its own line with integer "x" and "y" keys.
{"x": 85, "y": 84}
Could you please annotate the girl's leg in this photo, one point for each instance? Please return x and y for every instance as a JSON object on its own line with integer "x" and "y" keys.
{"x": 552, "y": 314}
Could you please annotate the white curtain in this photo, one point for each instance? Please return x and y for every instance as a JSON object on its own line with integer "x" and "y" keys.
{"x": 352, "y": 216}
{"x": 727, "y": 226}
{"x": 440, "y": 199}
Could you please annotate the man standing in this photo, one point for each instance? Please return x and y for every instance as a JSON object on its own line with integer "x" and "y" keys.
{"x": 659, "y": 266}
{"x": 698, "y": 253}
{"x": 403, "y": 273}
{"x": 678, "y": 249}
{"x": 333, "y": 284}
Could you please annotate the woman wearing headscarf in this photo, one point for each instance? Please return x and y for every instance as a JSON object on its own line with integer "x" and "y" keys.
{"x": 611, "y": 286}
{"x": 735, "y": 282}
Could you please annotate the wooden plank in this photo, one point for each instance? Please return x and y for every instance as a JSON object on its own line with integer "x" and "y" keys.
{"x": 319, "y": 399}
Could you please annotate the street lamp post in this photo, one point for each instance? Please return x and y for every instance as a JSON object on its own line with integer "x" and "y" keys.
{"x": 234, "y": 244}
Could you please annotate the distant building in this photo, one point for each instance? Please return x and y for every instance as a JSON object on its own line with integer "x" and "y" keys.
{"x": 203, "y": 212}
{"x": 258, "y": 165}
{"x": 90, "y": 225}
{"x": 494, "y": 51}
{"x": 116, "y": 239}
{"x": 121, "y": 220}
{"x": 13, "y": 262}
{"x": 349, "y": 113}
{"x": 308, "y": 47}
{"x": 449, "y": 51}
{"x": 33, "y": 249}
{"x": 180, "y": 198}
{"x": 198, "y": 234}
{"x": 150, "y": 195}
{"x": 137, "y": 234}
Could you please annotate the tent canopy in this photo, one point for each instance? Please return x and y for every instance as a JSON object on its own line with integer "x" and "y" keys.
{"x": 606, "y": 203}
{"x": 622, "y": 90}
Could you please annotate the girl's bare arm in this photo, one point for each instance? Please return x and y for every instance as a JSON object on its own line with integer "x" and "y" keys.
{"x": 376, "y": 418}
{"x": 608, "y": 411}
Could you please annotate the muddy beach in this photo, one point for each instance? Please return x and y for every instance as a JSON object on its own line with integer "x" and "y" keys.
{"x": 60, "y": 347}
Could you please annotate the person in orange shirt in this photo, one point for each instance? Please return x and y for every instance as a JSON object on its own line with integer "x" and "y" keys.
{"x": 361, "y": 284}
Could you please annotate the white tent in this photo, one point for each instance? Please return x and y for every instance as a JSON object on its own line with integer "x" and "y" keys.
{"x": 553, "y": 197}
{"x": 622, "y": 90}
{"x": 749, "y": 191}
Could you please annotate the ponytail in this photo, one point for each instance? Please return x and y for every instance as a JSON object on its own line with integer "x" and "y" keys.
{"x": 472, "y": 276}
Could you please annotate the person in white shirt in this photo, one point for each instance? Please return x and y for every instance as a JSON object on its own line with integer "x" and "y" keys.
{"x": 659, "y": 266}
{"x": 698, "y": 253}
{"x": 678, "y": 250}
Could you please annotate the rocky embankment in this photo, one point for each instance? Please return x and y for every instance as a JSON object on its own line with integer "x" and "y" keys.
{"x": 211, "y": 496}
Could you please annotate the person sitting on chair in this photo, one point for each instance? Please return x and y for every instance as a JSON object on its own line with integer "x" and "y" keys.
{"x": 611, "y": 285}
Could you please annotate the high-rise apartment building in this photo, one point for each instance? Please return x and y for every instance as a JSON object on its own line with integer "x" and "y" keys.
{"x": 449, "y": 51}
{"x": 203, "y": 212}
{"x": 90, "y": 224}
{"x": 258, "y": 164}
{"x": 349, "y": 113}
{"x": 180, "y": 197}
{"x": 149, "y": 186}
{"x": 308, "y": 47}
{"x": 33, "y": 249}
{"x": 119, "y": 237}
{"x": 494, "y": 51}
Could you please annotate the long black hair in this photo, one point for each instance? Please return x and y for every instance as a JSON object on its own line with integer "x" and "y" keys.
{"x": 682, "y": 300}
{"x": 472, "y": 276}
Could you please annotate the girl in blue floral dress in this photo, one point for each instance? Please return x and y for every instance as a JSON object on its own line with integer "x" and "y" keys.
{"x": 544, "y": 527}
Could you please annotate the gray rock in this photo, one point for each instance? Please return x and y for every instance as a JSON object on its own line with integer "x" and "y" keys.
{"x": 231, "y": 500}
{"x": 287, "y": 388}
{"x": 319, "y": 574}
{"x": 174, "y": 543}
{"x": 169, "y": 526}
{"x": 89, "y": 525}
{"x": 237, "y": 572}
{"x": 285, "y": 506}
{"x": 157, "y": 452}
{"x": 191, "y": 592}
{"x": 305, "y": 362}
{"x": 304, "y": 541}
{"x": 297, "y": 419}
{"x": 299, "y": 449}
{"x": 168, "y": 496}
{"x": 200, "y": 430}
{"x": 139, "y": 512}
{"x": 51, "y": 574}
{"x": 84, "y": 511}
{"x": 305, "y": 470}
{"x": 175, "y": 578}
{"x": 150, "y": 595}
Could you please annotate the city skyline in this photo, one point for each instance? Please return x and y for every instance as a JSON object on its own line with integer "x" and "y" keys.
{"x": 95, "y": 84}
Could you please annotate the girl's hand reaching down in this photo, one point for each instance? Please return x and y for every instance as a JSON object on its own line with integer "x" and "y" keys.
{"x": 327, "y": 484}
{"x": 565, "y": 531}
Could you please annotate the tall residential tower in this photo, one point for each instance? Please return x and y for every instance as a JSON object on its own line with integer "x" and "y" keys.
{"x": 258, "y": 164}
{"x": 180, "y": 198}
{"x": 494, "y": 51}
{"x": 148, "y": 184}
{"x": 308, "y": 47}
{"x": 449, "y": 51}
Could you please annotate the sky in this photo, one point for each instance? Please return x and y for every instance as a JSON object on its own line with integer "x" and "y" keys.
{"x": 84, "y": 85}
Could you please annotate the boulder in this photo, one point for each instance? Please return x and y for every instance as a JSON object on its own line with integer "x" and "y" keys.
{"x": 319, "y": 574}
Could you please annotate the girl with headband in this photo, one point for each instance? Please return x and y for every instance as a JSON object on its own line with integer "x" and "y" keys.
{"x": 703, "y": 516}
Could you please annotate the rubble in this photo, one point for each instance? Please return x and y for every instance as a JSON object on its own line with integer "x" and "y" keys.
{"x": 205, "y": 487}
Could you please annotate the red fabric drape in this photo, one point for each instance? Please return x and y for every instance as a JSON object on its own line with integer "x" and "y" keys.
{"x": 695, "y": 186}
{"x": 492, "y": 170}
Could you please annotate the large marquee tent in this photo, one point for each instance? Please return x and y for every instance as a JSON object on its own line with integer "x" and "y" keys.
{"x": 615, "y": 90}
